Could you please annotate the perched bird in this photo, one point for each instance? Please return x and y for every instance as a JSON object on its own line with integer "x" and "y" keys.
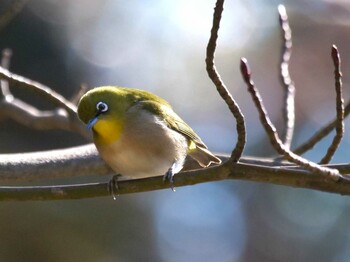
{"x": 138, "y": 134}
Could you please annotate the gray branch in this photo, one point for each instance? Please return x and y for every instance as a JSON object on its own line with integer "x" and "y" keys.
{"x": 84, "y": 161}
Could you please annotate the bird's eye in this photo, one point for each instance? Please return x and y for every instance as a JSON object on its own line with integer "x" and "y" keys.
{"x": 101, "y": 107}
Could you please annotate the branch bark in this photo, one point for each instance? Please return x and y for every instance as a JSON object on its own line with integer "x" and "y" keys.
{"x": 84, "y": 161}
{"x": 220, "y": 85}
{"x": 286, "y": 80}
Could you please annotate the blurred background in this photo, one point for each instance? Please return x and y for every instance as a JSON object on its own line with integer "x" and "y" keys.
{"x": 160, "y": 46}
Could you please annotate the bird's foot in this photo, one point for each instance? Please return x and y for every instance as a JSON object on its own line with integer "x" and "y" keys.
{"x": 169, "y": 176}
{"x": 113, "y": 187}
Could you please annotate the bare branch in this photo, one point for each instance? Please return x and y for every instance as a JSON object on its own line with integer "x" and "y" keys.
{"x": 37, "y": 88}
{"x": 69, "y": 162}
{"x": 220, "y": 86}
{"x": 273, "y": 135}
{"x": 30, "y": 116}
{"x": 80, "y": 92}
{"x": 339, "y": 106}
{"x": 289, "y": 110}
{"x": 85, "y": 161}
{"x": 30, "y": 193}
{"x": 319, "y": 135}
{"x": 5, "y": 63}
{"x": 62, "y": 118}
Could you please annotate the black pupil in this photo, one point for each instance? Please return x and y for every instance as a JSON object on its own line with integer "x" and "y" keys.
{"x": 102, "y": 107}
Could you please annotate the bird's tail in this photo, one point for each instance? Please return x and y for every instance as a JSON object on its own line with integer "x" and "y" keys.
{"x": 203, "y": 156}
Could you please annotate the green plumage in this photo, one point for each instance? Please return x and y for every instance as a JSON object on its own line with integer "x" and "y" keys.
{"x": 131, "y": 139}
{"x": 173, "y": 121}
{"x": 149, "y": 102}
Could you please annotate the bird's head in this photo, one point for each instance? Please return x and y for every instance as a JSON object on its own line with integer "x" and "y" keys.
{"x": 103, "y": 109}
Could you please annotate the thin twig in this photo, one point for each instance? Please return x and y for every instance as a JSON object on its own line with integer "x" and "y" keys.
{"x": 79, "y": 93}
{"x": 5, "y": 63}
{"x": 15, "y": 8}
{"x": 319, "y": 135}
{"x": 40, "y": 89}
{"x": 220, "y": 86}
{"x": 289, "y": 108}
{"x": 339, "y": 107}
{"x": 32, "y": 117}
{"x": 272, "y": 133}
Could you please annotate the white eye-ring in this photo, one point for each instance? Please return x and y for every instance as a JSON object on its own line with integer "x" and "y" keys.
{"x": 102, "y": 107}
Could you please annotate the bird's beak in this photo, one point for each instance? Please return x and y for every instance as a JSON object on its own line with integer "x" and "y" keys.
{"x": 92, "y": 122}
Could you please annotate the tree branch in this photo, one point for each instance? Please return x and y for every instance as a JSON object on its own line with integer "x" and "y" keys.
{"x": 273, "y": 135}
{"x": 289, "y": 110}
{"x": 64, "y": 117}
{"x": 85, "y": 161}
{"x": 39, "y": 89}
{"x": 221, "y": 87}
{"x": 70, "y": 162}
{"x": 320, "y": 134}
{"x": 30, "y": 116}
{"x": 5, "y": 63}
{"x": 339, "y": 108}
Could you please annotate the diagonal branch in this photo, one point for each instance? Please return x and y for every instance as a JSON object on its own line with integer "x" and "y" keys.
{"x": 272, "y": 133}
{"x": 319, "y": 135}
{"x": 5, "y": 63}
{"x": 339, "y": 107}
{"x": 37, "y": 88}
{"x": 64, "y": 117}
{"x": 79, "y": 93}
{"x": 30, "y": 116}
{"x": 220, "y": 86}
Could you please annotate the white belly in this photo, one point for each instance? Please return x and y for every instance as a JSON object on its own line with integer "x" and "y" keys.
{"x": 147, "y": 147}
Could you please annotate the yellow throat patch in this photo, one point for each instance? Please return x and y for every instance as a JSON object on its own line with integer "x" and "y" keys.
{"x": 108, "y": 130}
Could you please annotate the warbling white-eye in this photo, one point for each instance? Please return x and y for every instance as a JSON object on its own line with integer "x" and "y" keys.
{"x": 138, "y": 134}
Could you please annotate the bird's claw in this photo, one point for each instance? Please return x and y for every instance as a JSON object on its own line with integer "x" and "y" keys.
{"x": 169, "y": 176}
{"x": 113, "y": 187}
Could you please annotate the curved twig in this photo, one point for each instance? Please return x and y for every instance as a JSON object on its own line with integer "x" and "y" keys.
{"x": 37, "y": 88}
{"x": 5, "y": 63}
{"x": 289, "y": 110}
{"x": 273, "y": 135}
{"x": 79, "y": 93}
{"x": 62, "y": 118}
{"x": 339, "y": 107}
{"x": 30, "y": 116}
{"x": 220, "y": 86}
{"x": 319, "y": 135}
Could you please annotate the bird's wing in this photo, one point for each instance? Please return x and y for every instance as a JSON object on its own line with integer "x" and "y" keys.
{"x": 172, "y": 120}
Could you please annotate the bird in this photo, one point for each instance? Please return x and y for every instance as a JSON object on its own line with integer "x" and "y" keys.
{"x": 138, "y": 134}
